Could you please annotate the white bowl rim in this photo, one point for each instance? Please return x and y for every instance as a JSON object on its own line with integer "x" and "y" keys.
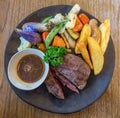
{"x": 12, "y": 75}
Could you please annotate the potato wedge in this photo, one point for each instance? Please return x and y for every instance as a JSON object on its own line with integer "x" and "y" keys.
{"x": 86, "y": 32}
{"x": 85, "y": 54}
{"x": 105, "y": 34}
{"x": 96, "y": 55}
{"x": 95, "y": 31}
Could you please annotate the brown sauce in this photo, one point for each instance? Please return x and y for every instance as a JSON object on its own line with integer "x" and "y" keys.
{"x": 30, "y": 68}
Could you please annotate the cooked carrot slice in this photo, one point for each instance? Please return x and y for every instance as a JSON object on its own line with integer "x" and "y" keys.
{"x": 78, "y": 25}
{"x": 84, "y": 18}
{"x": 44, "y": 35}
{"x": 58, "y": 41}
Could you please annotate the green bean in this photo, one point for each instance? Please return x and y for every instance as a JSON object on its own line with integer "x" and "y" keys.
{"x": 52, "y": 34}
{"x": 46, "y": 19}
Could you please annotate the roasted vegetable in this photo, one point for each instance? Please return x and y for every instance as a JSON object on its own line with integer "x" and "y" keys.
{"x": 74, "y": 35}
{"x": 69, "y": 50}
{"x": 62, "y": 30}
{"x": 71, "y": 20}
{"x": 72, "y": 16}
{"x": 65, "y": 40}
{"x": 46, "y": 19}
{"x": 95, "y": 31}
{"x": 96, "y": 55}
{"x": 58, "y": 41}
{"x": 70, "y": 40}
{"x": 78, "y": 25}
{"x": 44, "y": 35}
{"x": 86, "y": 32}
{"x": 85, "y": 54}
{"x": 57, "y": 19}
{"x": 34, "y": 27}
{"x": 84, "y": 18}
{"x": 24, "y": 44}
{"x": 32, "y": 37}
{"x": 52, "y": 34}
{"x": 75, "y": 9}
{"x": 41, "y": 46}
{"x": 54, "y": 55}
{"x": 105, "y": 34}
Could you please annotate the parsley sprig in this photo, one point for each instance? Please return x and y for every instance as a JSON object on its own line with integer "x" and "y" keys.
{"x": 54, "y": 55}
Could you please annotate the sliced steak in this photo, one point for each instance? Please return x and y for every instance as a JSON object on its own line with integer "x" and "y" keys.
{"x": 65, "y": 82}
{"x": 53, "y": 86}
{"x": 76, "y": 64}
{"x": 75, "y": 70}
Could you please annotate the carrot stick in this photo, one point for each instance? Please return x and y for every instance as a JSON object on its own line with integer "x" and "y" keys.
{"x": 78, "y": 25}
{"x": 84, "y": 18}
{"x": 44, "y": 35}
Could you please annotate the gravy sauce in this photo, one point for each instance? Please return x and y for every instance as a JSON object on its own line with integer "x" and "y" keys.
{"x": 30, "y": 68}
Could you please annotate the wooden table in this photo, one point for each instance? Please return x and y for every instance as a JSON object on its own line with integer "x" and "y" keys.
{"x": 12, "y": 11}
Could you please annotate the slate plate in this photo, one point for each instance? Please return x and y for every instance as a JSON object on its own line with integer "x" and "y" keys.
{"x": 73, "y": 102}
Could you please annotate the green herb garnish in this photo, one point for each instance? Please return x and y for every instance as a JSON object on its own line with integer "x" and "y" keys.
{"x": 54, "y": 55}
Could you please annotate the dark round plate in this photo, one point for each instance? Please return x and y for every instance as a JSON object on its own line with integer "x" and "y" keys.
{"x": 73, "y": 102}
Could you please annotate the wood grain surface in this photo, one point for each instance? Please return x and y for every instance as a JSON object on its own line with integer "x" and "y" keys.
{"x": 11, "y": 13}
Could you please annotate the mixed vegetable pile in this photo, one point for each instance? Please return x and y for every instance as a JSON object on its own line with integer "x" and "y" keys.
{"x": 60, "y": 34}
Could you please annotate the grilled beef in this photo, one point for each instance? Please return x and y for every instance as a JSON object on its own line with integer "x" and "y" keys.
{"x": 73, "y": 73}
{"x": 53, "y": 86}
{"x": 75, "y": 70}
{"x": 65, "y": 82}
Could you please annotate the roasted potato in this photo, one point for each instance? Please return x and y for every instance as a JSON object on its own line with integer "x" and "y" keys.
{"x": 96, "y": 55}
{"x": 86, "y": 32}
{"x": 105, "y": 34}
{"x": 95, "y": 31}
{"x": 85, "y": 54}
{"x": 41, "y": 46}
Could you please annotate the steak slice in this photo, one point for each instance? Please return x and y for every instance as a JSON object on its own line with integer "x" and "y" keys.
{"x": 73, "y": 78}
{"x": 53, "y": 86}
{"x": 75, "y": 70}
{"x": 76, "y": 64}
{"x": 65, "y": 82}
